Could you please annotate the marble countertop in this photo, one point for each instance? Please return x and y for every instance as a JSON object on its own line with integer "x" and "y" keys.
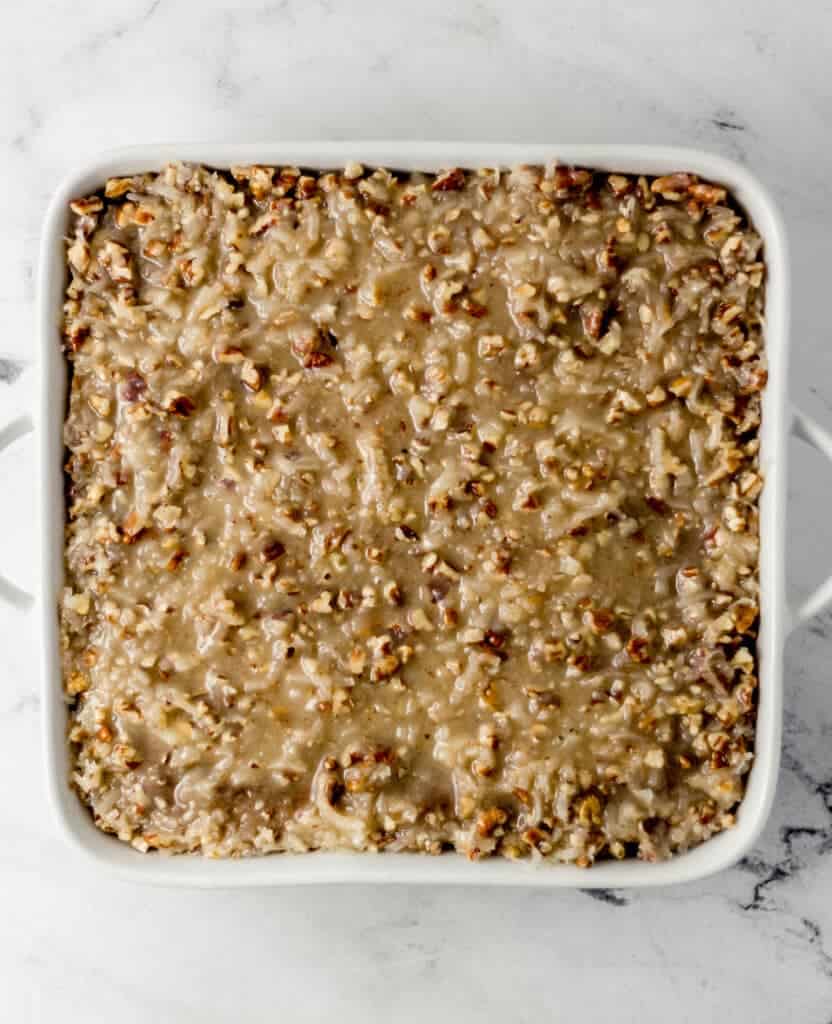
{"x": 748, "y": 79}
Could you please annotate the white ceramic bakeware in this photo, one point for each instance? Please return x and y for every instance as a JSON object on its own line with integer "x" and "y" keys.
{"x": 287, "y": 869}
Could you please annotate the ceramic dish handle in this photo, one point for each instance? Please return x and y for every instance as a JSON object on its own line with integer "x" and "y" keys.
{"x": 812, "y": 433}
{"x": 9, "y": 593}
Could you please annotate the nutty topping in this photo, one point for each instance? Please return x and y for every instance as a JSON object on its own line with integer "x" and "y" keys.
{"x": 513, "y": 607}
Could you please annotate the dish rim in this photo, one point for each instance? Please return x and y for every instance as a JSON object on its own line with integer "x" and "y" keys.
{"x": 717, "y": 853}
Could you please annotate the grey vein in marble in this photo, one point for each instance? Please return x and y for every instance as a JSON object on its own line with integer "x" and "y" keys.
{"x": 10, "y": 370}
{"x": 106, "y": 37}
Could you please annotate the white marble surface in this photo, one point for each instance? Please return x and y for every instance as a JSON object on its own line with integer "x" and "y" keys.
{"x": 749, "y": 79}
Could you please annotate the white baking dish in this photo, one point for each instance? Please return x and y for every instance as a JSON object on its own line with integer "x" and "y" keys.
{"x": 76, "y": 823}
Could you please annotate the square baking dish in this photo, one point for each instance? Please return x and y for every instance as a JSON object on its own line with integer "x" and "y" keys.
{"x": 721, "y": 851}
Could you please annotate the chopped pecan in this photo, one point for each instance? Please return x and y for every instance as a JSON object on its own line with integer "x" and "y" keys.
{"x": 620, "y": 185}
{"x": 116, "y": 261}
{"x": 601, "y": 620}
{"x": 176, "y": 559}
{"x": 707, "y": 195}
{"x": 87, "y": 207}
{"x": 472, "y": 308}
{"x": 745, "y": 615}
{"x": 572, "y": 179}
{"x": 132, "y": 527}
{"x": 673, "y": 186}
{"x": 449, "y": 181}
{"x": 272, "y": 550}
{"x": 134, "y": 387}
{"x": 76, "y": 337}
{"x": 383, "y": 667}
{"x": 489, "y": 820}
{"x": 317, "y": 360}
{"x": 252, "y": 376}
{"x": 496, "y": 639}
{"x": 592, "y": 319}
{"x": 180, "y": 405}
{"x": 638, "y": 647}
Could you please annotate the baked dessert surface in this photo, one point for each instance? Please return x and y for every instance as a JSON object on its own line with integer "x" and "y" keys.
{"x": 412, "y": 512}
